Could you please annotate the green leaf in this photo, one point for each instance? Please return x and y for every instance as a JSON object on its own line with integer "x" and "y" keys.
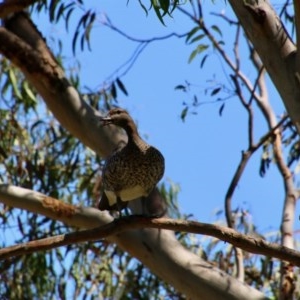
{"x": 52, "y": 8}
{"x": 200, "y": 48}
{"x": 192, "y": 55}
{"x": 113, "y": 91}
{"x": 29, "y": 92}
{"x": 143, "y": 7}
{"x": 164, "y": 5}
{"x": 184, "y": 113}
{"x": 121, "y": 86}
{"x": 156, "y": 8}
{"x": 191, "y": 33}
{"x": 60, "y": 12}
{"x": 68, "y": 17}
{"x": 203, "y": 61}
{"x": 180, "y": 87}
{"x": 221, "y": 109}
{"x": 217, "y": 29}
{"x": 159, "y": 15}
{"x": 215, "y": 91}
{"x": 14, "y": 83}
{"x": 197, "y": 38}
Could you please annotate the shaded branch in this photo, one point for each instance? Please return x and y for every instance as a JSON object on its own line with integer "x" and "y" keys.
{"x": 297, "y": 25}
{"x": 157, "y": 249}
{"x": 24, "y": 46}
{"x": 241, "y": 166}
{"x": 247, "y": 243}
{"x": 110, "y": 25}
{"x": 276, "y": 49}
{"x": 142, "y": 44}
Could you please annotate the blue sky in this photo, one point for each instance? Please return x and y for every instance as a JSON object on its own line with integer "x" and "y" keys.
{"x": 201, "y": 153}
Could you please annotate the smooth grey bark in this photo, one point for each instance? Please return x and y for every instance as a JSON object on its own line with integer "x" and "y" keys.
{"x": 157, "y": 249}
{"x": 276, "y": 50}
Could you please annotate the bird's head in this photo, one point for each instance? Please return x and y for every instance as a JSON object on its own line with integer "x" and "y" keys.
{"x": 117, "y": 116}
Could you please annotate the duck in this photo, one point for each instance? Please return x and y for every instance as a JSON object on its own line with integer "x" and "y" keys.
{"x": 130, "y": 172}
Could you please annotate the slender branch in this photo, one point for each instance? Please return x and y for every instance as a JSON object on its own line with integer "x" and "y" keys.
{"x": 288, "y": 212}
{"x": 128, "y": 64}
{"x": 222, "y": 52}
{"x": 247, "y": 106}
{"x": 247, "y": 243}
{"x": 110, "y": 25}
{"x": 143, "y": 43}
{"x": 236, "y": 47}
{"x": 241, "y": 166}
{"x": 233, "y": 184}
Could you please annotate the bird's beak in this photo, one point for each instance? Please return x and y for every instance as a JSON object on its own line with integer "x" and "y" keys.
{"x": 105, "y": 121}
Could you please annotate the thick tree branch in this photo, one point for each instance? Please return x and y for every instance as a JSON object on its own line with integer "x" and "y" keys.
{"x": 297, "y": 25}
{"x": 41, "y": 69}
{"x": 80, "y": 217}
{"x": 157, "y": 249}
{"x": 247, "y": 243}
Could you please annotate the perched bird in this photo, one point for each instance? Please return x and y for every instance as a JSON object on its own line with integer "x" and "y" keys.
{"x": 132, "y": 171}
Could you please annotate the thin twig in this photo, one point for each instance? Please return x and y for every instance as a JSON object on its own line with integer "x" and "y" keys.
{"x": 110, "y": 25}
{"x": 226, "y": 18}
{"x": 220, "y": 50}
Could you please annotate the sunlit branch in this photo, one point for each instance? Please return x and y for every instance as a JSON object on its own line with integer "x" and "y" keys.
{"x": 35, "y": 202}
{"x": 245, "y": 242}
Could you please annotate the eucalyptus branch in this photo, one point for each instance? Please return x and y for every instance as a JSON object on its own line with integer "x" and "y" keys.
{"x": 241, "y": 166}
{"x": 118, "y": 226}
{"x": 297, "y": 25}
{"x": 221, "y": 51}
{"x": 110, "y": 25}
{"x": 291, "y": 194}
{"x": 238, "y": 253}
{"x": 236, "y": 47}
{"x": 142, "y": 44}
